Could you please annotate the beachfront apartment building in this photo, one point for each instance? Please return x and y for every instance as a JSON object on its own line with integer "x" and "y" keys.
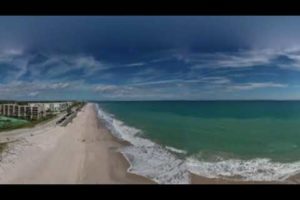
{"x": 31, "y": 112}
{"x": 60, "y": 106}
{"x": 53, "y": 107}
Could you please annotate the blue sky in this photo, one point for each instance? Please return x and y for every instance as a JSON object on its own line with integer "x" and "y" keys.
{"x": 149, "y": 58}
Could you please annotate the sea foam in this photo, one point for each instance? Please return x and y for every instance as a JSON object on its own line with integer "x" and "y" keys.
{"x": 175, "y": 150}
{"x": 161, "y": 164}
{"x": 260, "y": 169}
{"x": 147, "y": 158}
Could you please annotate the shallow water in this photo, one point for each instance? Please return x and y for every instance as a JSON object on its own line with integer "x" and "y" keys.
{"x": 253, "y": 140}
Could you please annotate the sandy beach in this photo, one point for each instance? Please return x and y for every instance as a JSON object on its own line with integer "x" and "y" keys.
{"x": 83, "y": 152}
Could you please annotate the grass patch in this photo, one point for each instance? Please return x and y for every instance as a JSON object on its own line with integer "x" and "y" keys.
{"x": 33, "y": 123}
{"x": 7, "y": 124}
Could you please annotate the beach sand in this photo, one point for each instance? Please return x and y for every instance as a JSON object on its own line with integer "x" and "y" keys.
{"x": 83, "y": 152}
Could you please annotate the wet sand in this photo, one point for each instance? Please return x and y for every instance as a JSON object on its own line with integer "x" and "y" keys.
{"x": 195, "y": 179}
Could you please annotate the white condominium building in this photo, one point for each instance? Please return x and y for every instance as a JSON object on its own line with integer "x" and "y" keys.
{"x": 32, "y": 112}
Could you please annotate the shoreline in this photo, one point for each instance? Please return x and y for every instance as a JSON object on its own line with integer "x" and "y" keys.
{"x": 198, "y": 179}
{"x": 120, "y": 158}
{"x": 83, "y": 152}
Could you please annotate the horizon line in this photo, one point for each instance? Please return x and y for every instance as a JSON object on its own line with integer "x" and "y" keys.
{"x": 93, "y": 100}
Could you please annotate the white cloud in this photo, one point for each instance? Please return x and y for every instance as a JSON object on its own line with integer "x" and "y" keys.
{"x": 207, "y": 80}
{"x": 250, "y": 86}
{"x": 157, "y": 82}
{"x": 135, "y": 64}
{"x": 243, "y": 59}
{"x": 232, "y": 59}
{"x": 57, "y": 65}
{"x": 116, "y": 90}
{"x": 11, "y": 52}
{"x": 16, "y": 64}
{"x": 57, "y": 86}
{"x": 33, "y": 94}
{"x": 50, "y": 76}
{"x": 215, "y": 80}
{"x": 20, "y": 88}
{"x": 105, "y": 88}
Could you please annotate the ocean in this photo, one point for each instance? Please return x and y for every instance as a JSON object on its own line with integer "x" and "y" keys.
{"x": 244, "y": 140}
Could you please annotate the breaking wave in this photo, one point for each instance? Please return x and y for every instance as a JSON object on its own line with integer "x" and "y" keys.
{"x": 147, "y": 158}
{"x": 260, "y": 169}
{"x": 162, "y": 165}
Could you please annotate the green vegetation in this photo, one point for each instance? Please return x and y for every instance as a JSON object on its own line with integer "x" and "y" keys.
{"x": 42, "y": 120}
{"x": 8, "y": 123}
{"x": 69, "y": 110}
{"x": 78, "y": 104}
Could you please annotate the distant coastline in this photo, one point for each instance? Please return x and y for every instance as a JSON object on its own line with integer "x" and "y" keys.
{"x": 138, "y": 100}
{"x": 187, "y": 100}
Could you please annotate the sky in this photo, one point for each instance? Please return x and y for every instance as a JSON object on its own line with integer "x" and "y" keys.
{"x": 149, "y": 57}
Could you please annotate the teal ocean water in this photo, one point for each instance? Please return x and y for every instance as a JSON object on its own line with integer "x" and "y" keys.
{"x": 251, "y": 140}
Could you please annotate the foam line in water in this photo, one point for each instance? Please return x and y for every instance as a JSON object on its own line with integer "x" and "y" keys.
{"x": 260, "y": 169}
{"x": 153, "y": 161}
{"x": 147, "y": 158}
{"x": 121, "y": 131}
{"x": 175, "y": 150}
{"x": 157, "y": 164}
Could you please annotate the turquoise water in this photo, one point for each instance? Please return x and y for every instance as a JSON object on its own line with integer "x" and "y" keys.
{"x": 212, "y": 129}
{"x": 244, "y": 140}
